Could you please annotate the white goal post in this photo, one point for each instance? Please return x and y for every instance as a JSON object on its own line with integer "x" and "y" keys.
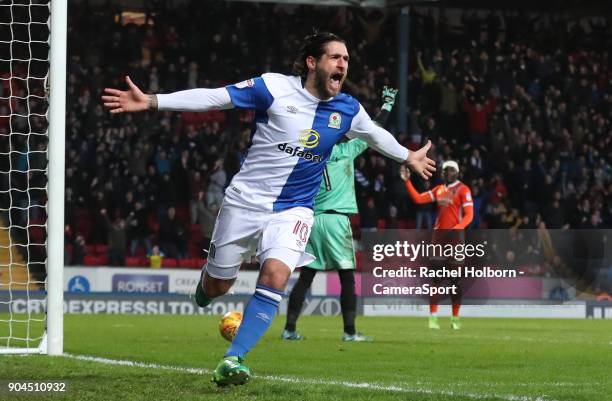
{"x": 57, "y": 139}
{"x": 32, "y": 147}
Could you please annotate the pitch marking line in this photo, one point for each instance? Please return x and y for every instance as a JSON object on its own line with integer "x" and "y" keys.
{"x": 295, "y": 380}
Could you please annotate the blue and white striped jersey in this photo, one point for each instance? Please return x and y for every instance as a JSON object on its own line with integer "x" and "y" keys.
{"x": 292, "y": 138}
{"x": 293, "y": 135}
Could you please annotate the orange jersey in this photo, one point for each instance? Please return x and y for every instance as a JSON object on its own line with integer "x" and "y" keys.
{"x": 458, "y": 195}
{"x": 455, "y": 205}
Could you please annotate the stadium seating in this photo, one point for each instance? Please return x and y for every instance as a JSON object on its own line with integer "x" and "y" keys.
{"x": 168, "y": 262}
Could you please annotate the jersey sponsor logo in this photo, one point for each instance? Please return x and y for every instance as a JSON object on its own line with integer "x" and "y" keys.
{"x": 292, "y": 109}
{"x": 468, "y": 197}
{"x": 299, "y": 152}
{"x": 309, "y": 138}
{"x": 236, "y": 190}
{"x": 335, "y": 120}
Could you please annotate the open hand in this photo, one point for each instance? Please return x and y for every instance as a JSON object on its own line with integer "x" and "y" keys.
{"x": 420, "y": 163}
{"x": 131, "y": 100}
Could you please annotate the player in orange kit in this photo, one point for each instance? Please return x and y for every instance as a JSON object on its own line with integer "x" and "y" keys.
{"x": 455, "y": 212}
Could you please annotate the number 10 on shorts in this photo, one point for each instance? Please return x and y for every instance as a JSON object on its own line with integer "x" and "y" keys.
{"x": 301, "y": 231}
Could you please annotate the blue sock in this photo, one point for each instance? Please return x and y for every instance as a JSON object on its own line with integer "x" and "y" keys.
{"x": 257, "y": 318}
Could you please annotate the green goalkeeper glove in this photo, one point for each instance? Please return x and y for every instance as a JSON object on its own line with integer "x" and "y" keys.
{"x": 388, "y": 95}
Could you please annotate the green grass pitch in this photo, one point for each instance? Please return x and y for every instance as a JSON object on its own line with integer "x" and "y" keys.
{"x": 489, "y": 359}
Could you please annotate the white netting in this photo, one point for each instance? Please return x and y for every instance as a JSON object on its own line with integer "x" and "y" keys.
{"x": 24, "y": 67}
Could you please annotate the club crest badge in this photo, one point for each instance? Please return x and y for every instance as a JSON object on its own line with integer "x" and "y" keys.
{"x": 335, "y": 120}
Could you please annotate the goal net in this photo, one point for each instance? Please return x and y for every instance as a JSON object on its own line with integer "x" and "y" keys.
{"x": 24, "y": 170}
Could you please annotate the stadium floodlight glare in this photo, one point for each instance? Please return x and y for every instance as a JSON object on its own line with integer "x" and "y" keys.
{"x": 32, "y": 100}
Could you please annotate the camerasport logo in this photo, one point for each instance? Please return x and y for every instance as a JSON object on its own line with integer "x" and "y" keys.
{"x": 139, "y": 283}
{"x": 308, "y": 139}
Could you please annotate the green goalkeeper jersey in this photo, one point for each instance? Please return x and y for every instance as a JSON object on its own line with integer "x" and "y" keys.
{"x": 337, "y": 191}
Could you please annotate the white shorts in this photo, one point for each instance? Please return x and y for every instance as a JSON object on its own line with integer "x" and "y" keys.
{"x": 241, "y": 233}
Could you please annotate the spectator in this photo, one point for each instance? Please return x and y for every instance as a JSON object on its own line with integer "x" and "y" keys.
{"x": 478, "y": 121}
{"x": 138, "y": 230}
{"x": 155, "y": 258}
{"x": 594, "y": 222}
{"x": 204, "y": 216}
{"x": 425, "y": 212}
{"x": 392, "y": 220}
{"x": 117, "y": 239}
{"x": 216, "y": 188}
{"x": 369, "y": 216}
{"x": 78, "y": 250}
{"x": 554, "y": 217}
{"x": 172, "y": 235}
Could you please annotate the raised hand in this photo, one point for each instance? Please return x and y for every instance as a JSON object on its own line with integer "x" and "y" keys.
{"x": 388, "y": 95}
{"x": 404, "y": 173}
{"x": 131, "y": 100}
{"x": 420, "y": 163}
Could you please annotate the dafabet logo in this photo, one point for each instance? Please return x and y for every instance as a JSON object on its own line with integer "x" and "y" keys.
{"x": 308, "y": 139}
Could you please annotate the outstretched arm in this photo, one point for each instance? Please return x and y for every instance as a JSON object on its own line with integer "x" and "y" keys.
{"x": 383, "y": 142}
{"x": 355, "y": 147}
{"x": 195, "y": 100}
{"x": 418, "y": 198}
{"x": 134, "y": 100}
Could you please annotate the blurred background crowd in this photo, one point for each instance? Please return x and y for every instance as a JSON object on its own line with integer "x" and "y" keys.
{"x": 522, "y": 101}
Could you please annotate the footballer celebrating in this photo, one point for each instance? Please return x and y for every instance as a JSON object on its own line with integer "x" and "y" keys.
{"x": 267, "y": 211}
{"x": 455, "y": 212}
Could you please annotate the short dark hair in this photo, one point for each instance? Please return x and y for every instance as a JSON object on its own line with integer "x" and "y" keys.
{"x": 313, "y": 45}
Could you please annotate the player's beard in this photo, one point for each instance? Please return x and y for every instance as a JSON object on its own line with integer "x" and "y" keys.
{"x": 321, "y": 78}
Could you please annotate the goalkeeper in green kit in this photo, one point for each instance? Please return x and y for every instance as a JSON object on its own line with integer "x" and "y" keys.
{"x": 331, "y": 238}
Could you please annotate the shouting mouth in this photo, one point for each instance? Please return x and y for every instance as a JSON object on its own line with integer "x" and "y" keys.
{"x": 336, "y": 81}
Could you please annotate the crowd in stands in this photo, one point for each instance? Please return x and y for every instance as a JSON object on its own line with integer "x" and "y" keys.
{"x": 534, "y": 95}
{"x": 523, "y": 102}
